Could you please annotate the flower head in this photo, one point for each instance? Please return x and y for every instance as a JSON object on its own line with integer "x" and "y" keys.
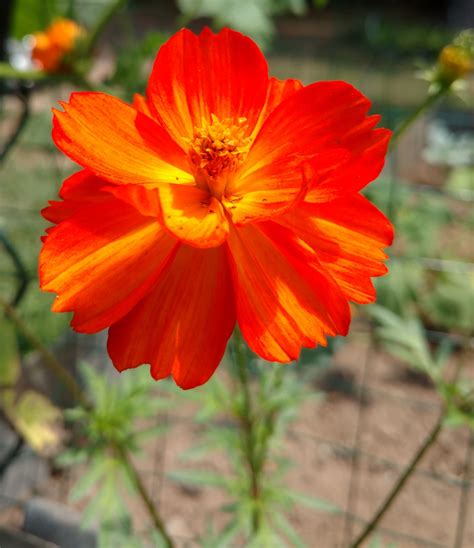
{"x": 224, "y": 196}
{"x": 51, "y": 46}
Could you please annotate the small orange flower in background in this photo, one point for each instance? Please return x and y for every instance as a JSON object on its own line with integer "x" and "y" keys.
{"x": 51, "y": 46}
{"x": 223, "y": 196}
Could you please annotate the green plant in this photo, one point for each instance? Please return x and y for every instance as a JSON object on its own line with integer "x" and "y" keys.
{"x": 115, "y": 425}
{"x": 247, "y": 419}
{"x": 252, "y": 17}
{"x": 405, "y": 338}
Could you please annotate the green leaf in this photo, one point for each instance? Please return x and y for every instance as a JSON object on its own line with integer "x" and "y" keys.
{"x": 30, "y": 16}
{"x": 199, "y": 477}
{"x": 224, "y": 539}
{"x": 37, "y": 419}
{"x": 310, "y": 501}
{"x": 92, "y": 476}
{"x": 151, "y": 432}
{"x": 288, "y": 530}
{"x": 9, "y": 356}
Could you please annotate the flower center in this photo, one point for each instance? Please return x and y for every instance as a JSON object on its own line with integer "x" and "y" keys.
{"x": 217, "y": 149}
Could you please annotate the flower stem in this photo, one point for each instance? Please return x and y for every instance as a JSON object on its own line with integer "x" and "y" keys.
{"x": 49, "y": 359}
{"x": 425, "y": 105}
{"x": 101, "y": 24}
{"x": 20, "y": 126}
{"x": 246, "y": 418}
{"x": 58, "y": 369}
{"x": 429, "y": 441}
{"x": 147, "y": 501}
{"x": 21, "y": 272}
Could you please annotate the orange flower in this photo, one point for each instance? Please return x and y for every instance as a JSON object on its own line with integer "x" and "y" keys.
{"x": 223, "y": 196}
{"x": 58, "y": 40}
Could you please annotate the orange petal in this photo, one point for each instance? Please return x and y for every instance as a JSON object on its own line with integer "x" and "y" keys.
{"x": 79, "y": 189}
{"x": 118, "y": 143}
{"x": 141, "y": 104}
{"x": 182, "y": 326}
{"x": 102, "y": 261}
{"x": 224, "y": 74}
{"x": 348, "y": 236}
{"x": 357, "y": 161}
{"x": 278, "y": 90}
{"x": 193, "y": 215}
{"x": 284, "y": 298}
{"x": 321, "y": 126}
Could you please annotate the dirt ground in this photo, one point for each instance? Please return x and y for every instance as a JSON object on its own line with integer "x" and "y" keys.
{"x": 348, "y": 448}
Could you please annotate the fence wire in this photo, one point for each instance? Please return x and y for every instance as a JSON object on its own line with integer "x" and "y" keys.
{"x": 20, "y": 220}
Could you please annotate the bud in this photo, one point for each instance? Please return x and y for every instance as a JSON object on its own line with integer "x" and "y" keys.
{"x": 456, "y": 59}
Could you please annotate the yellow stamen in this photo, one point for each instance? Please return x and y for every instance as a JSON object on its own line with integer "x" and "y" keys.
{"x": 219, "y": 146}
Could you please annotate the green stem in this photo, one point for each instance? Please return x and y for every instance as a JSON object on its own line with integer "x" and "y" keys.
{"x": 246, "y": 417}
{"x": 49, "y": 359}
{"x": 20, "y": 126}
{"x": 429, "y": 441}
{"x": 147, "y": 501}
{"x": 21, "y": 272}
{"x": 270, "y": 419}
{"x": 7, "y": 71}
{"x": 101, "y": 24}
{"x": 429, "y": 101}
{"x": 58, "y": 369}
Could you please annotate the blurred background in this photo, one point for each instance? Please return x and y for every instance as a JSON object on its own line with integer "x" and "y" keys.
{"x": 379, "y": 391}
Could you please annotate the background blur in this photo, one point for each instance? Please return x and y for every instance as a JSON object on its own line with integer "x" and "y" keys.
{"x": 378, "y": 398}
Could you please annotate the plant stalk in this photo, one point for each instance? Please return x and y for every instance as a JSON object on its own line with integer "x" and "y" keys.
{"x": 429, "y": 441}
{"x": 101, "y": 24}
{"x": 246, "y": 418}
{"x": 147, "y": 500}
{"x": 58, "y": 369}
{"x": 22, "y": 273}
{"x": 430, "y": 100}
{"x": 49, "y": 359}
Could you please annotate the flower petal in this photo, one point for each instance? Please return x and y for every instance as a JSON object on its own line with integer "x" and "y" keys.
{"x": 140, "y": 103}
{"x": 79, "y": 189}
{"x": 224, "y": 74}
{"x": 316, "y": 129}
{"x": 278, "y": 90}
{"x": 117, "y": 142}
{"x": 349, "y": 168}
{"x": 193, "y": 215}
{"x": 348, "y": 235}
{"x": 182, "y": 326}
{"x": 284, "y": 298}
{"x": 102, "y": 261}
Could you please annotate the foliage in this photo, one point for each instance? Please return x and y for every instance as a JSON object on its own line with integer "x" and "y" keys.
{"x": 406, "y": 339}
{"x": 444, "y": 300}
{"x": 32, "y": 414}
{"x": 252, "y": 17}
{"x": 450, "y": 302}
{"x": 111, "y": 425}
{"x": 403, "y": 37}
{"x": 247, "y": 421}
{"x": 131, "y": 67}
{"x": 30, "y": 15}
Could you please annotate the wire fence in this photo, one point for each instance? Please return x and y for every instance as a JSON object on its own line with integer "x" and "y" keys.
{"x": 353, "y": 464}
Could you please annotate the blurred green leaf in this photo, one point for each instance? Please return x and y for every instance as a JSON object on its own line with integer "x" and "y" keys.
{"x": 9, "y": 356}
{"x": 315, "y": 503}
{"x": 405, "y": 338}
{"x": 199, "y": 477}
{"x": 30, "y": 16}
{"x": 37, "y": 419}
{"x": 288, "y": 530}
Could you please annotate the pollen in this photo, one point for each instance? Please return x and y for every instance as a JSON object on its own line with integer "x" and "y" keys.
{"x": 219, "y": 145}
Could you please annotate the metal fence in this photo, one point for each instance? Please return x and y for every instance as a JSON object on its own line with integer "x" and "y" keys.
{"x": 353, "y": 466}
